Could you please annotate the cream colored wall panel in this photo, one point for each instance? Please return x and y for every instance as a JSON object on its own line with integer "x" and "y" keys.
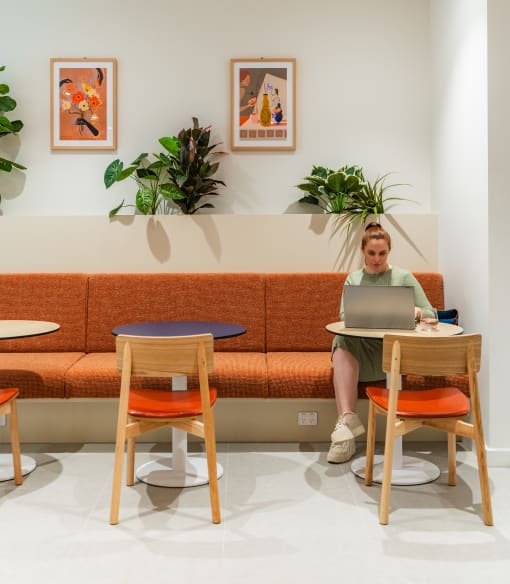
{"x": 205, "y": 243}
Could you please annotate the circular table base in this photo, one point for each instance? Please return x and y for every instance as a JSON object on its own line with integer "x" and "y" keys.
{"x": 414, "y": 471}
{"x": 160, "y": 473}
{"x": 7, "y": 470}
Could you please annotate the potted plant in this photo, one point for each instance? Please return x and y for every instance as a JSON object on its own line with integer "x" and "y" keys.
{"x": 8, "y": 104}
{"x": 331, "y": 189}
{"x": 176, "y": 179}
{"x": 370, "y": 200}
{"x": 347, "y": 192}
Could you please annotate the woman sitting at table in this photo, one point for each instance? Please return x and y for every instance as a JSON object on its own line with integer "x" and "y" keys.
{"x": 357, "y": 359}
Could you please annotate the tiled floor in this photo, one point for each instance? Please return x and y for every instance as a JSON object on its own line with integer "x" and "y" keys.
{"x": 288, "y": 517}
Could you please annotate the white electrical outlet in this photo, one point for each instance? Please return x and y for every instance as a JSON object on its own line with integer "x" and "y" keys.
{"x": 307, "y": 418}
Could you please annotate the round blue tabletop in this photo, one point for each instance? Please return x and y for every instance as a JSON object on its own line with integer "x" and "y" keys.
{"x": 179, "y": 328}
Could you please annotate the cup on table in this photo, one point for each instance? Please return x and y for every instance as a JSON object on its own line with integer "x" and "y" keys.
{"x": 429, "y": 320}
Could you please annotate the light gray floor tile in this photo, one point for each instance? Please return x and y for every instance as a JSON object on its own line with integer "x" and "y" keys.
{"x": 287, "y": 516}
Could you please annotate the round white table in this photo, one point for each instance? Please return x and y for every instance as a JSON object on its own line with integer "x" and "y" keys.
{"x": 179, "y": 470}
{"x": 17, "y": 329}
{"x": 407, "y": 470}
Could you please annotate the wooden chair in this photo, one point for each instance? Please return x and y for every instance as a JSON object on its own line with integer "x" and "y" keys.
{"x": 444, "y": 408}
{"x": 146, "y": 409}
{"x": 8, "y": 407}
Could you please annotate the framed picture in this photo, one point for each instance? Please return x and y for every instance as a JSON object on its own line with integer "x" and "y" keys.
{"x": 263, "y": 104}
{"x": 83, "y": 104}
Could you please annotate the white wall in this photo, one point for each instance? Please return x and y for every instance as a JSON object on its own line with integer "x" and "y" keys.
{"x": 363, "y": 87}
{"x": 498, "y": 213}
{"x": 470, "y": 157}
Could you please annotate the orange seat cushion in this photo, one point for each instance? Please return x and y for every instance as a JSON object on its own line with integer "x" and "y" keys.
{"x": 153, "y": 403}
{"x": 7, "y": 394}
{"x": 443, "y": 402}
{"x": 235, "y": 374}
{"x": 37, "y": 375}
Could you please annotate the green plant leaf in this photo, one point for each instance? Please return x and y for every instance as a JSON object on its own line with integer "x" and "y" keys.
{"x": 127, "y": 172}
{"x": 112, "y": 172}
{"x": 172, "y": 144}
{"x": 147, "y": 173}
{"x": 5, "y": 165}
{"x": 5, "y": 125}
{"x": 145, "y": 200}
{"x": 309, "y": 199}
{"x": 19, "y": 166}
{"x": 17, "y": 125}
{"x": 114, "y": 212}
{"x": 321, "y": 171}
{"x": 7, "y": 104}
{"x": 3, "y": 88}
{"x": 170, "y": 191}
{"x": 139, "y": 159}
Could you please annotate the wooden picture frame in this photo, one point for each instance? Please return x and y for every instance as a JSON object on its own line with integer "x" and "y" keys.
{"x": 83, "y": 107}
{"x": 263, "y": 104}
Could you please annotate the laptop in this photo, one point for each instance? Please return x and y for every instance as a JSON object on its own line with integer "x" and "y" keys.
{"x": 379, "y": 307}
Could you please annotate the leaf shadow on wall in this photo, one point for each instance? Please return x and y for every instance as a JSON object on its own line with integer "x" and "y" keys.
{"x": 209, "y": 229}
{"x": 158, "y": 240}
{"x": 345, "y": 238}
{"x": 407, "y": 238}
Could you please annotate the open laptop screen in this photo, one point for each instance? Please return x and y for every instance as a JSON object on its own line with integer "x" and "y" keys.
{"x": 381, "y": 307}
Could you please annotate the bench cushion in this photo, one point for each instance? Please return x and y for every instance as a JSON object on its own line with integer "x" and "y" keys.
{"x": 300, "y": 374}
{"x": 234, "y": 375}
{"x": 60, "y": 298}
{"x": 116, "y": 299}
{"x": 299, "y": 306}
{"x": 37, "y": 375}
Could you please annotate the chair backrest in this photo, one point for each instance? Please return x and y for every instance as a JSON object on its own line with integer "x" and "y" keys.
{"x": 164, "y": 356}
{"x": 459, "y": 354}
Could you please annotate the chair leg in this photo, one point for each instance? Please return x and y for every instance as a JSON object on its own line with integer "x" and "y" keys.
{"x": 117, "y": 474}
{"x": 210, "y": 448}
{"x": 369, "y": 460}
{"x": 16, "y": 451}
{"x": 387, "y": 471}
{"x": 484, "y": 480}
{"x": 130, "y": 462}
{"x": 452, "y": 459}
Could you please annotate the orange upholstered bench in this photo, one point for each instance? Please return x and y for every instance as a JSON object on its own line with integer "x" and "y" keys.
{"x": 284, "y": 354}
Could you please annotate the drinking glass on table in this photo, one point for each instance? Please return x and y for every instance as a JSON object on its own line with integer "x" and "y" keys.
{"x": 428, "y": 320}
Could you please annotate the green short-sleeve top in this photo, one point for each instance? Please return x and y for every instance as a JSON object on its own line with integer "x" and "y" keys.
{"x": 368, "y": 352}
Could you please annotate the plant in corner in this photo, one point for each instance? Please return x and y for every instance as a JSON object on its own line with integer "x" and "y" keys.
{"x": 177, "y": 179}
{"x": 348, "y": 193}
{"x": 331, "y": 189}
{"x": 371, "y": 200}
{"x": 7, "y": 104}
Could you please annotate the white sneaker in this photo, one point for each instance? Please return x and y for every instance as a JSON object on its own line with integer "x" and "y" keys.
{"x": 352, "y": 421}
{"x": 343, "y": 446}
{"x": 341, "y": 451}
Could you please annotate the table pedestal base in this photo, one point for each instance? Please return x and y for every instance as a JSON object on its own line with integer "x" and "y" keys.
{"x": 160, "y": 473}
{"x": 7, "y": 470}
{"x": 413, "y": 471}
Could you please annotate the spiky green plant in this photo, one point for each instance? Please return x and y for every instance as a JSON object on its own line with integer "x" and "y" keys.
{"x": 371, "y": 200}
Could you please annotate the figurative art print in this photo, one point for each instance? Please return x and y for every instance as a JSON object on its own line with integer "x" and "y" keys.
{"x": 263, "y": 104}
